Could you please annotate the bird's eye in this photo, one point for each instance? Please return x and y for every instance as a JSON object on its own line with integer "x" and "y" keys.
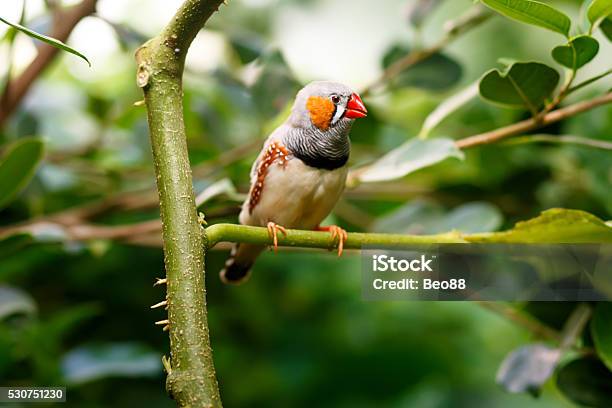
{"x": 335, "y": 99}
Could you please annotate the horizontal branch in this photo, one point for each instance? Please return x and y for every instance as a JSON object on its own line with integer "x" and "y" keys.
{"x": 531, "y": 124}
{"x": 316, "y": 239}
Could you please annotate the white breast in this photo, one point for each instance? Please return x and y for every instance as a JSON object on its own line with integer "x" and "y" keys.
{"x": 296, "y": 196}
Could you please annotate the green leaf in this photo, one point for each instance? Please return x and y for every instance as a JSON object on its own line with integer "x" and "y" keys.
{"x": 247, "y": 47}
{"x": 90, "y": 363}
{"x": 577, "y": 52}
{"x": 553, "y": 314}
{"x": 9, "y": 244}
{"x": 411, "y": 156}
{"x": 15, "y": 301}
{"x": 49, "y": 40}
{"x": 423, "y": 217}
{"x": 470, "y": 218}
{"x": 17, "y": 167}
{"x": 524, "y": 84}
{"x": 437, "y": 72}
{"x": 587, "y": 382}
{"x": 532, "y": 12}
{"x": 606, "y": 28}
{"x": 554, "y": 226}
{"x": 598, "y": 10}
{"x": 507, "y": 62}
{"x": 601, "y": 330}
{"x": 414, "y": 217}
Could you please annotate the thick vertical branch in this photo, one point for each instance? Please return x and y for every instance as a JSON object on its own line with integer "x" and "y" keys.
{"x": 191, "y": 377}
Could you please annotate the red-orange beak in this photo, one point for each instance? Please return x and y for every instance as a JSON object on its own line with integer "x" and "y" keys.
{"x": 355, "y": 108}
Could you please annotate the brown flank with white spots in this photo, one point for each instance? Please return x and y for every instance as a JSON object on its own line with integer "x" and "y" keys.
{"x": 275, "y": 151}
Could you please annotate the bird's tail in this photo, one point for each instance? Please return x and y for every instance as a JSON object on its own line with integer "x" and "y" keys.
{"x": 238, "y": 266}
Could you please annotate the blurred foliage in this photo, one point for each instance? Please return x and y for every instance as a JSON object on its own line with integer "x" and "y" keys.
{"x": 76, "y": 313}
{"x": 438, "y": 72}
{"x": 18, "y": 166}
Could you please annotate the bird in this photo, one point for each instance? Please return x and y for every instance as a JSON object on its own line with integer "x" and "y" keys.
{"x": 300, "y": 173}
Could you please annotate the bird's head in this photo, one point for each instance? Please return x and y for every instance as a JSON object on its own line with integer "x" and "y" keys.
{"x": 324, "y": 105}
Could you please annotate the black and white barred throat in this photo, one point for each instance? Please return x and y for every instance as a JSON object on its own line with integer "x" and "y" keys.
{"x": 329, "y": 149}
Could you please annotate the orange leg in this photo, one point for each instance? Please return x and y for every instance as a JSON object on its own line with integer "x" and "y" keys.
{"x": 336, "y": 233}
{"x": 273, "y": 229}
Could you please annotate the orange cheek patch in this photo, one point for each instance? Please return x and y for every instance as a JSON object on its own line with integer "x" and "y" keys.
{"x": 321, "y": 111}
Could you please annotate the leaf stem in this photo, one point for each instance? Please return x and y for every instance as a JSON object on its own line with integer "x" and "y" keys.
{"x": 563, "y": 92}
{"x": 575, "y": 325}
{"x": 589, "y": 81}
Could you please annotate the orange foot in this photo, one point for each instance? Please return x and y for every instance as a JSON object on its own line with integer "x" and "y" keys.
{"x": 336, "y": 232}
{"x": 273, "y": 229}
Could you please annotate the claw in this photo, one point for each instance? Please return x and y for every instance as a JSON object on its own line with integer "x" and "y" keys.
{"x": 338, "y": 234}
{"x": 160, "y": 281}
{"x": 273, "y": 229}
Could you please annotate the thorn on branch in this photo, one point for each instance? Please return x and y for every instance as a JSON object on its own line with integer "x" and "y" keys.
{"x": 160, "y": 281}
{"x": 160, "y": 304}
